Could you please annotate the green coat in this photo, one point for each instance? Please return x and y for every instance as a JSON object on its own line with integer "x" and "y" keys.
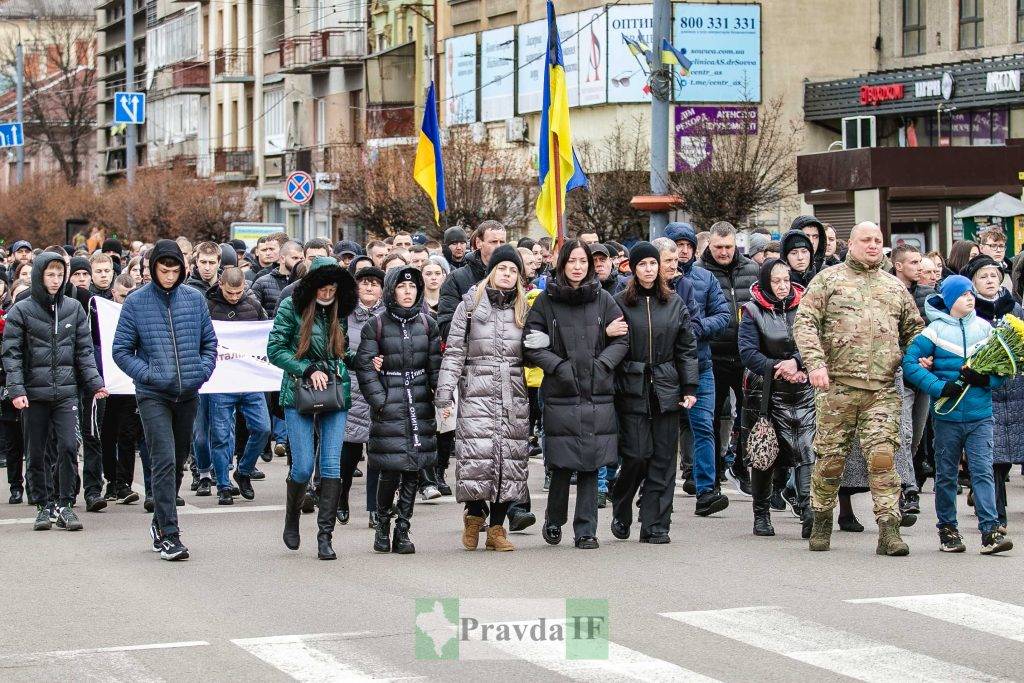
{"x": 284, "y": 338}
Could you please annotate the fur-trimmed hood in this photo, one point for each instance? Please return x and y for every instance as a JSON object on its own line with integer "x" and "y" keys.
{"x": 324, "y": 271}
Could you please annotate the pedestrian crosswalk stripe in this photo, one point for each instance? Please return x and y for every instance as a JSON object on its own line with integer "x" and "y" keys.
{"x": 841, "y": 652}
{"x": 963, "y": 609}
{"x": 312, "y": 657}
{"x": 623, "y": 664}
{"x": 99, "y": 663}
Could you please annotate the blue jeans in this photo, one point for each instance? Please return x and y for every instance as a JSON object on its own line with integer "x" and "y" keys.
{"x": 279, "y": 429}
{"x": 201, "y": 438}
{"x": 300, "y": 438}
{"x": 253, "y": 407}
{"x": 702, "y": 424}
{"x": 950, "y": 440}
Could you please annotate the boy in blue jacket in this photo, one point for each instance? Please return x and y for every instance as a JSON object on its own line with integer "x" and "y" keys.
{"x": 963, "y": 424}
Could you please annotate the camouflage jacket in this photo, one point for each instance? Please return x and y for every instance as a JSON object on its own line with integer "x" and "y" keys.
{"x": 856, "y": 320}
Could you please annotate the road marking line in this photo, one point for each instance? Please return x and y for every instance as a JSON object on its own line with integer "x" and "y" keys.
{"x": 847, "y": 654}
{"x": 119, "y": 648}
{"x": 962, "y": 609}
{"x": 299, "y": 658}
{"x": 100, "y": 663}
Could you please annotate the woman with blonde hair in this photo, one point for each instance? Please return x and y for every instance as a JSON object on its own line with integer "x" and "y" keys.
{"x": 484, "y": 358}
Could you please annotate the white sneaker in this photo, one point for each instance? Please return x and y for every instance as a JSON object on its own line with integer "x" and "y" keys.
{"x": 430, "y": 493}
{"x": 737, "y": 483}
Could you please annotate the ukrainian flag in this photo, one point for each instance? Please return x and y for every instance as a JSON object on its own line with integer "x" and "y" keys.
{"x": 670, "y": 55}
{"x": 558, "y": 173}
{"x": 428, "y": 169}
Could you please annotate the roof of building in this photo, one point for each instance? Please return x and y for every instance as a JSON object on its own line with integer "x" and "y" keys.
{"x": 17, "y": 9}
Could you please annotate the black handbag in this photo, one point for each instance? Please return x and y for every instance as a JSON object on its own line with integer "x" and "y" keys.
{"x": 309, "y": 401}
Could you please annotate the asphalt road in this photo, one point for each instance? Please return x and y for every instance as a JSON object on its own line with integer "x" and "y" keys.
{"x": 715, "y": 604}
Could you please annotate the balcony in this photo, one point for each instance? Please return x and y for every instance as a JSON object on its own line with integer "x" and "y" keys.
{"x": 296, "y": 54}
{"x": 337, "y": 46}
{"x": 298, "y": 160}
{"x": 238, "y": 162}
{"x": 191, "y": 76}
{"x": 233, "y": 66}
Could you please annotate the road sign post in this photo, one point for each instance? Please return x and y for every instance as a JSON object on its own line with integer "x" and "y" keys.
{"x": 299, "y": 188}
{"x": 130, "y": 108}
{"x": 12, "y": 135}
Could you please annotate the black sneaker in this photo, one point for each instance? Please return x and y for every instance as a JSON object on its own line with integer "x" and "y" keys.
{"x": 195, "y": 482}
{"x": 179, "y": 501}
{"x": 257, "y": 475}
{"x": 547, "y": 482}
{"x": 68, "y": 520}
{"x": 710, "y": 502}
{"x": 42, "y": 519}
{"x": 52, "y": 510}
{"x": 148, "y": 504}
{"x": 950, "y": 540}
{"x": 244, "y": 485}
{"x": 777, "y": 502}
{"x": 620, "y": 529}
{"x": 224, "y": 497}
{"x": 587, "y": 543}
{"x": 171, "y": 548}
{"x": 95, "y": 503}
{"x": 267, "y": 456}
{"x": 17, "y": 496}
{"x": 910, "y": 503}
{"x": 740, "y": 480}
{"x": 204, "y": 487}
{"x": 154, "y": 533}
{"x": 523, "y": 520}
{"x": 602, "y": 500}
{"x": 993, "y": 542}
{"x": 655, "y": 539}
{"x": 125, "y": 495}
{"x": 689, "y": 487}
{"x": 789, "y": 495}
{"x": 552, "y": 533}
{"x": 111, "y": 492}
{"x": 356, "y": 473}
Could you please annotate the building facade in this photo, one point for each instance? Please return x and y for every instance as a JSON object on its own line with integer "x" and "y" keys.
{"x": 112, "y": 77}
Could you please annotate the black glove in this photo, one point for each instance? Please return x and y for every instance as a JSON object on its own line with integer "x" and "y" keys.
{"x": 974, "y": 379}
{"x": 952, "y": 389}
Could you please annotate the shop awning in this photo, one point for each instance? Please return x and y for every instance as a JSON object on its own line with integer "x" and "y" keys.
{"x": 1000, "y": 204}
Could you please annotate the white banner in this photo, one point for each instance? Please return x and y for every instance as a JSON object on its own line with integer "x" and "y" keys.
{"x": 242, "y": 364}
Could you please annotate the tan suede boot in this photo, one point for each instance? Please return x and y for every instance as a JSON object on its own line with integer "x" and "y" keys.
{"x": 821, "y": 531}
{"x": 889, "y": 541}
{"x": 471, "y": 531}
{"x": 497, "y": 540}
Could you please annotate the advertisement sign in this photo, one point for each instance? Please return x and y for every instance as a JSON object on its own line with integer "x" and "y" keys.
{"x": 250, "y": 232}
{"x": 497, "y": 69}
{"x": 627, "y": 73}
{"x": 724, "y": 44}
{"x": 568, "y": 25}
{"x": 592, "y": 47}
{"x": 460, "y": 80}
{"x": 530, "y": 72}
{"x": 693, "y": 125}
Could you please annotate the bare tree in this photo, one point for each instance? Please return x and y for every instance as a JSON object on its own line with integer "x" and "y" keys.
{"x": 485, "y": 181}
{"x": 745, "y": 173}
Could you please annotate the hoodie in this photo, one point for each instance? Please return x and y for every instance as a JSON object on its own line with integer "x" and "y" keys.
{"x": 818, "y": 261}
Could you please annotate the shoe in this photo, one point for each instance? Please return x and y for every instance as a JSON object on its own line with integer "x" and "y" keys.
{"x": 889, "y": 541}
{"x": 547, "y": 482}
{"x": 17, "y": 496}
{"x": 95, "y": 503}
{"x": 552, "y": 533}
{"x": 111, "y": 492}
{"x": 267, "y": 456}
{"x": 472, "y": 525}
{"x": 401, "y": 544}
{"x": 689, "y": 487}
{"x": 171, "y": 548}
{"x": 357, "y": 473}
{"x": 294, "y": 495}
{"x": 42, "y": 519}
{"x": 535, "y": 451}
{"x": 587, "y": 543}
{"x": 382, "y": 538}
{"x": 740, "y": 483}
{"x": 308, "y": 501}
{"x": 179, "y": 501}
{"x": 806, "y": 523}
{"x": 523, "y": 520}
{"x": 147, "y": 505}
{"x": 602, "y": 500}
{"x": 256, "y": 475}
{"x": 710, "y": 502}
{"x": 125, "y": 496}
{"x": 497, "y": 539}
{"x": 429, "y": 492}
{"x": 204, "y": 487}
{"x": 789, "y": 495}
{"x": 244, "y": 485}
{"x": 950, "y": 540}
{"x": 572, "y": 479}
{"x": 156, "y": 536}
{"x": 68, "y": 520}
{"x": 908, "y": 520}
{"x": 224, "y": 497}
{"x": 777, "y": 502}
{"x": 620, "y": 529}
{"x": 850, "y": 523}
{"x": 994, "y": 542}
{"x": 820, "y": 538}
{"x": 53, "y": 511}
{"x": 655, "y": 539}
{"x": 195, "y": 483}
{"x": 280, "y": 449}
{"x": 910, "y": 503}
{"x": 373, "y": 520}
{"x": 763, "y": 525}
{"x": 970, "y": 498}
{"x": 326, "y": 517}
{"x": 343, "y": 514}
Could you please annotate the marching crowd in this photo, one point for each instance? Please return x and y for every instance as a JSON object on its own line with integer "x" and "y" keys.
{"x": 798, "y": 372}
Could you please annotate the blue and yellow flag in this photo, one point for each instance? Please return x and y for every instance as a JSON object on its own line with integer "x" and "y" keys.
{"x": 670, "y": 55}
{"x": 428, "y": 169}
{"x": 555, "y": 134}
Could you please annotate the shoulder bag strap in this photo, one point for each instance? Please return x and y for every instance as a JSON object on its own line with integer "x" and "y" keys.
{"x": 766, "y": 392}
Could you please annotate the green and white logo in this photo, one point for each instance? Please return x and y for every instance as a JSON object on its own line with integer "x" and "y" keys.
{"x": 437, "y": 628}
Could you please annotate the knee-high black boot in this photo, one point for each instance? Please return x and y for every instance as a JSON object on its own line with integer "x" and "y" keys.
{"x": 293, "y": 502}
{"x": 406, "y": 499}
{"x": 761, "y": 487}
{"x": 330, "y": 490}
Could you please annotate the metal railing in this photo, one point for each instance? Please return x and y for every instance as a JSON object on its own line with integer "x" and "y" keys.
{"x": 232, "y": 63}
{"x": 339, "y": 44}
{"x": 296, "y": 52}
{"x": 191, "y": 75}
{"x": 238, "y": 160}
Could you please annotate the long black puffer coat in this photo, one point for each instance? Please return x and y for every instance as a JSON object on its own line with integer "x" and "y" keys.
{"x": 765, "y": 338}
{"x": 401, "y": 396}
{"x": 580, "y": 425}
{"x": 47, "y": 345}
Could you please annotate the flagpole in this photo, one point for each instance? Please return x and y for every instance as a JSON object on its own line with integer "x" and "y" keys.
{"x": 557, "y": 169}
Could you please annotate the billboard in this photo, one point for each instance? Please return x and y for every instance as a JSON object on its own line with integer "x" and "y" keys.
{"x": 592, "y": 50}
{"x": 568, "y": 25}
{"x": 497, "y": 74}
{"x": 460, "y": 80}
{"x": 530, "y": 72}
{"x": 694, "y": 127}
{"x": 627, "y": 73}
{"x": 724, "y": 44}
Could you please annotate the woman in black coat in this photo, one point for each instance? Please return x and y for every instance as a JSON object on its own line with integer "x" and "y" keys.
{"x": 658, "y": 377}
{"x": 769, "y": 353}
{"x": 576, "y": 335}
{"x": 398, "y": 362}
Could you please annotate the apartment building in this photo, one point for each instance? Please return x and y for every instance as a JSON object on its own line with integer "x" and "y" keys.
{"x": 111, "y": 77}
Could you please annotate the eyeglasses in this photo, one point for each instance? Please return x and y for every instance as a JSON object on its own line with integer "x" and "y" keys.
{"x": 996, "y": 245}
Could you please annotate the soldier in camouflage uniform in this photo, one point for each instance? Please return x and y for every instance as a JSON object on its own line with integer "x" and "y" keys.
{"x": 852, "y": 327}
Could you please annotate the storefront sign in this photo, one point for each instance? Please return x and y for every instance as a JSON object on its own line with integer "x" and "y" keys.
{"x": 1002, "y": 81}
{"x": 932, "y": 88}
{"x": 874, "y": 94}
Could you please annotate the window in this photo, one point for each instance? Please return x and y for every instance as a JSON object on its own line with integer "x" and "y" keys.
{"x": 172, "y": 119}
{"x": 273, "y": 122}
{"x": 175, "y": 40}
{"x": 913, "y": 27}
{"x": 1020, "y": 20}
{"x": 972, "y": 24}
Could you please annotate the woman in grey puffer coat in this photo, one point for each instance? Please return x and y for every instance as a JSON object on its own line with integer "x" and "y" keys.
{"x": 484, "y": 359}
{"x": 369, "y": 287}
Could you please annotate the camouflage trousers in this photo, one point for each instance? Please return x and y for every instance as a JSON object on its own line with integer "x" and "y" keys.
{"x": 841, "y": 413}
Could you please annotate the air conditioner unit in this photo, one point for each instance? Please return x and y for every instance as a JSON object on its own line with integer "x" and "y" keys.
{"x": 515, "y": 129}
{"x": 859, "y": 131}
{"x": 327, "y": 181}
{"x": 479, "y": 131}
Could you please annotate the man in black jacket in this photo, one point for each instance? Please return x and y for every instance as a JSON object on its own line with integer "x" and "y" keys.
{"x": 267, "y": 288}
{"x": 488, "y": 236}
{"x": 48, "y": 358}
{"x": 735, "y": 273}
{"x": 206, "y": 265}
{"x": 455, "y": 246}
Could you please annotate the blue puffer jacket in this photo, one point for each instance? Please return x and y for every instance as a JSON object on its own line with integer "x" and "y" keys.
{"x": 945, "y": 340}
{"x": 713, "y": 313}
{"x": 164, "y": 340}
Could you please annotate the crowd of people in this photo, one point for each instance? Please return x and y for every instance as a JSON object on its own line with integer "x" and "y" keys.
{"x": 797, "y": 372}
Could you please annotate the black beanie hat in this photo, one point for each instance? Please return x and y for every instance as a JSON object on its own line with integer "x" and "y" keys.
{"x": 112, "y": 245}
{"x": 371, "y": 272}
{"x": 456, "y": 234}
{"x": 505, "y": 252}
{"x": 977, "y": 263}
{"x": 640, "y": 251}
{"x": 79, "y": 263}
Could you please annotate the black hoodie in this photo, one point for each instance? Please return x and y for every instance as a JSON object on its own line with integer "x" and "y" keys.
{"x": 455, "y": 287}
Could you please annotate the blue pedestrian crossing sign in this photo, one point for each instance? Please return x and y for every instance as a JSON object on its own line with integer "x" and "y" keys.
{"x": 129, "y": 107}
{"x": 11, "y": 135}
{"x": 299, "y": 187}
